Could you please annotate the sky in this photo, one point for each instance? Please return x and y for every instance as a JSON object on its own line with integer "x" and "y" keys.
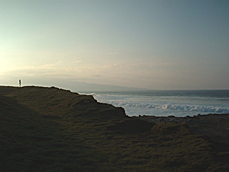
{"x": 152, "y": 44}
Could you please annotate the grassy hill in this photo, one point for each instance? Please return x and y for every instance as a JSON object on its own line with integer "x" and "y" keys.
{"x": 50, "y": 129}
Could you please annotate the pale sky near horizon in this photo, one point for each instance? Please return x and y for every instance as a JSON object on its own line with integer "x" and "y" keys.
{"x": 153, "y": 44}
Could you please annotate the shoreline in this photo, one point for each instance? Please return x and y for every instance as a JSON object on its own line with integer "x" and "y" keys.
{"x": 51, "y": 128}
{"x": 165, "y": 103}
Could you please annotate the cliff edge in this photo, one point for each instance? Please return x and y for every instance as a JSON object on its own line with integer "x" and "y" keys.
{"x": 51, "y": 129}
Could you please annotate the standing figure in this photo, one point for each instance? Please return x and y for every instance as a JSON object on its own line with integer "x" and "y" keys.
{"x": 19, "y": 83}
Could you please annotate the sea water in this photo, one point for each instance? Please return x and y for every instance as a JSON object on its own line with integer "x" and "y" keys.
{"x": 178, "y": 103}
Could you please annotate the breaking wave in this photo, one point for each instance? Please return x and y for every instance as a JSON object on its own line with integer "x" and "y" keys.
{"x": 177, "y": 107}
{"x": 165, "y": 103}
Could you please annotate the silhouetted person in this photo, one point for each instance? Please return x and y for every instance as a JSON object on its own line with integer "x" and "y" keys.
{"x": 19, "y": 83}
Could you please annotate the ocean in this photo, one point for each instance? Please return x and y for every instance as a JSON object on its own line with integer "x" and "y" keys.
{"x": 178, "y": 103}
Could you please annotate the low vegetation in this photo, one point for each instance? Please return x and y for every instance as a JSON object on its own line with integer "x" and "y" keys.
{"x": 49, "y": 129}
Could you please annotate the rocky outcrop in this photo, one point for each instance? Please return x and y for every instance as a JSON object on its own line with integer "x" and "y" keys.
{"x": 212, "y": 126}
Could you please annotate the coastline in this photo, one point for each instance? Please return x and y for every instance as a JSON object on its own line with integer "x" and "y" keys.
{"x": 51, "y": 129}
{"x": 178, "y": 103}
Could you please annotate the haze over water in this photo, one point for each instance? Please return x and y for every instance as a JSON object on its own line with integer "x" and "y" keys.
{"x": 152, "y": 44}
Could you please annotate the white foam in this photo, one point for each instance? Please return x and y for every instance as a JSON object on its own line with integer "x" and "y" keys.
{"x": 171, "y": 105}
{"x": 181, "y": 107}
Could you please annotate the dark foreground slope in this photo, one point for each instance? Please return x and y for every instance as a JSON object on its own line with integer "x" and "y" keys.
{"x": 49, "y": 129}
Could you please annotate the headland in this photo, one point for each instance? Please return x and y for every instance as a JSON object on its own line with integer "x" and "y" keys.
{"x": 51, "y": 129}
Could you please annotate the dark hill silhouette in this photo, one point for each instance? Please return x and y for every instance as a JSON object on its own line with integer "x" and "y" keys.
{"x": 64, "y": 103}
{"x": 51, "y": 129}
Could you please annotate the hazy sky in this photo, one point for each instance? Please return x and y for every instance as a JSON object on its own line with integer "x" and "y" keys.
{"x": 154, "y": 44}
